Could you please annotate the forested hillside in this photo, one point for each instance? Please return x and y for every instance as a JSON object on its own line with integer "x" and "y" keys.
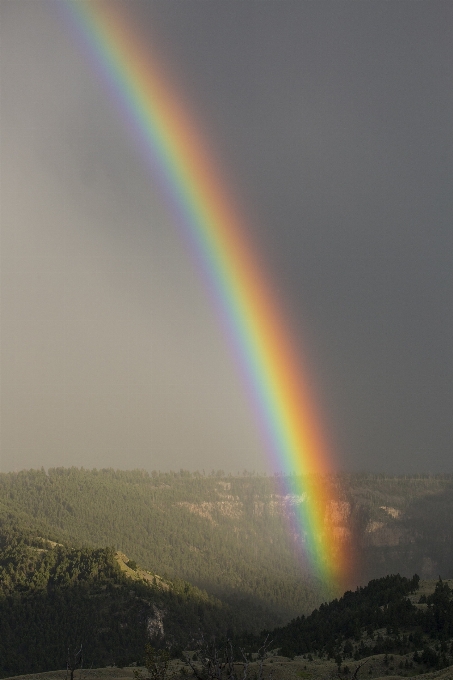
{"x": 406, "y": 524}
{"x": 230, "y": 535}
{"x": 388, "y": 616}
{"x": 54, "y": 598}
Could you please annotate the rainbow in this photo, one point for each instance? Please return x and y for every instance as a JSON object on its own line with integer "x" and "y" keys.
{"x": 180, "y": 160}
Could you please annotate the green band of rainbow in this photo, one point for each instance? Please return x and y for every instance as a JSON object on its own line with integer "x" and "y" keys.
{"x": 179, "y": 157}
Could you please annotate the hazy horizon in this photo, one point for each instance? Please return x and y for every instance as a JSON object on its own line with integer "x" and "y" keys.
{"x": 332, "y": 123}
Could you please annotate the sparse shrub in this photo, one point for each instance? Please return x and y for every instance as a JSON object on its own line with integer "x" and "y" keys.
{"x": 157, "y": 662}
{"x": 217, "y": 661}
{"x": 429, "y": 657}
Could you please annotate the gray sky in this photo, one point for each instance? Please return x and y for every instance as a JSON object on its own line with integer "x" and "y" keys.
{"x": 334, "y": 122}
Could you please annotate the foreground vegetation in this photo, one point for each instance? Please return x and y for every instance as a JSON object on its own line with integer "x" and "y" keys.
{"x": 54, "y": 597}
{"x": 385, "y": 617}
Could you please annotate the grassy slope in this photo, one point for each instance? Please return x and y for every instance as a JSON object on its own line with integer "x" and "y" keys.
{"x": 279, "y": 668}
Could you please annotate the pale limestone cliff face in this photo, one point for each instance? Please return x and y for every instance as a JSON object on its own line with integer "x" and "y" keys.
{"x": 285, "y": 505}
{"x": 232, "y": 509}
{"x": 337, "y": 514}
{"x": 383, "y": 530}
{"x": 384, "y": 536}
{"x": 155, "y": 623}
{"x": 393, "y": 512}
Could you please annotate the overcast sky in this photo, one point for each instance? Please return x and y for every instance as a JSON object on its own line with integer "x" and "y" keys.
{"x": 333, "y": 121}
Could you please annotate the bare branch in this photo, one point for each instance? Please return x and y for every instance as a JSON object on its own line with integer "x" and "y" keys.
{"x": 358, "y": 668}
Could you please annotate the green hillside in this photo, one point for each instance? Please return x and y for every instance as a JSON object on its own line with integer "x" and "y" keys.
{"x": 54, "y": 598}
{"x": 230, "y": 536}
{"x": 226, "y": 535}
{"x": 390, "y": 617}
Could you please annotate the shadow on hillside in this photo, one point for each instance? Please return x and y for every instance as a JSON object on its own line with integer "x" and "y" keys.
{"x": 423, "y": 540}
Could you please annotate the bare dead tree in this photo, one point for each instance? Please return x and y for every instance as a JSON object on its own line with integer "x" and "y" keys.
{"x": 356, "y": 672}
{"x": 74, "y": 661}
{"x": 354, "y": 677}
{"x": 262, "y": 654}
{"x": 219, "y": 663}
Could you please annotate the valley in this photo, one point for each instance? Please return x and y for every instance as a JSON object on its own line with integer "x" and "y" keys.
{"x": 193, "y": 555}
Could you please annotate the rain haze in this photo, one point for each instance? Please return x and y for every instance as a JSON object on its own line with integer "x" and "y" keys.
{"x": 331, "y": 123}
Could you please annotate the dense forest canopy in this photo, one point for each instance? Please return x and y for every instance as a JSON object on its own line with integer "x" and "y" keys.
{"x": 212, "y": 531}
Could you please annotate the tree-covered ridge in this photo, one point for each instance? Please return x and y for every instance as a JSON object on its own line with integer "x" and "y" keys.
{"x": 382, "y": 602}
{"x": 380, "y": 618}
{"x": 54, "y": 597}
